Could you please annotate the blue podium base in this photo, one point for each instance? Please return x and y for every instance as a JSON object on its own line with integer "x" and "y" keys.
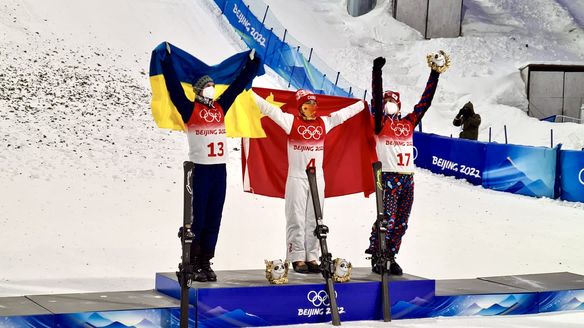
{"x": 245, "y": 298}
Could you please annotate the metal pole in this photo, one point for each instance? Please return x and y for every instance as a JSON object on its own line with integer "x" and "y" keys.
{"x": 365, "y": 94}
{"x": 505, "y": 128}
{"x": 305, "y": 75}
{"x": 551, "y": 138}
{"x": 268, "y": 43}
{"x": 489, "y": 134}
{"x": 280, "y": 48}
{"x": 322, "y": 84}
{"x": 337, "y": 79}
{"x": 293, "y": 67}
{"x": 265, "y": 13}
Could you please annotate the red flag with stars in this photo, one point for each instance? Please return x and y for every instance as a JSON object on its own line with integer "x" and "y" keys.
{"x": 349, "y": 150}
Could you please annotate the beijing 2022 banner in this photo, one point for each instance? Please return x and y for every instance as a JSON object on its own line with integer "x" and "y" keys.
{"x": 463, "y": 159}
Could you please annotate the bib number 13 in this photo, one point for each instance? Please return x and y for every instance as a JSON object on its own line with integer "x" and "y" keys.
{"x": 215, "y": 149}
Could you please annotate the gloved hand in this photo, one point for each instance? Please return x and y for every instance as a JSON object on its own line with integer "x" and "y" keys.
{"x": 378, "y": 63}
{"x": 252, "y": 54}
{"x": 438, "y": 61}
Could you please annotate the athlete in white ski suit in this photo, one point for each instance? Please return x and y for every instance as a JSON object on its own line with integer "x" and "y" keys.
{"x": 306, "y": 134}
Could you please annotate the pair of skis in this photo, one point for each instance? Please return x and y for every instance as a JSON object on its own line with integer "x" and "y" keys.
{"x": 186, "y": 236}
{"x": 382, "y": 255}
{"x": 326, "y": 258}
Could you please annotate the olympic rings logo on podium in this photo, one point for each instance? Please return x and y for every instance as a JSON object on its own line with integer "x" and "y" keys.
{"x": 318, "y": 298}
{"x": 310, "y": 132}
{"x": 581, "y": 176}
{"x": 209, "y": 116}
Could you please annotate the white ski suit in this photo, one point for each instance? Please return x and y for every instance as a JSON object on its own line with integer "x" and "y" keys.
{"x": 305, "y": 148}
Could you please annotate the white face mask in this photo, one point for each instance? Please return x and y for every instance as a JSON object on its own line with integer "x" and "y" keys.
{"x": 208, "y": 92}
{"x": 390, "y": 108}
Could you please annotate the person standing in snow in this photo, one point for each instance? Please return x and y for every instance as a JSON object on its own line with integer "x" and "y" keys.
{"x": 469, "y": 120}
{"x": 395, "y": 149}
{"x": 306, "y": 135}
{"x": 205, "y": 123}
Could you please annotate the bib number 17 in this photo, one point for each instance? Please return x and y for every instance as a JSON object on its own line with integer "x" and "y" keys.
{"x": 400, "y": 159}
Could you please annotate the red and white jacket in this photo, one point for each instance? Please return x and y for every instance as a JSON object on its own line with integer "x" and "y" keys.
{"x": 395, "y": 146}
{"x": 306, "y": 138}
{"x": 395, "y": 142}
{"x": 206, "y": 135}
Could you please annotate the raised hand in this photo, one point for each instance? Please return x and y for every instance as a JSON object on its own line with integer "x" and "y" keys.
{"x": 378, "y": 62}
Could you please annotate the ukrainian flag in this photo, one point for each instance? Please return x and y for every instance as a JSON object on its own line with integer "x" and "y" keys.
{"x": 243, "y": 117}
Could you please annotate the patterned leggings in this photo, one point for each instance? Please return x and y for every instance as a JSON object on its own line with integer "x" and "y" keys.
{"x": 398, "y": 196}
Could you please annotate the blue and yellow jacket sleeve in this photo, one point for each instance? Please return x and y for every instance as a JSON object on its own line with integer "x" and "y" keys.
{"x": 177, "y": 95}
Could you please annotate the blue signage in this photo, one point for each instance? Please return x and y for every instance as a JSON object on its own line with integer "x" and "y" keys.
{"x": 463, "y": 159}
{"x": 572, "y": 175}
{"x": 524, "y": 170}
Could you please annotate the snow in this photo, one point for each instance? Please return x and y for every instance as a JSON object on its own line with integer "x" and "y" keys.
{"x": 91, "y": 195}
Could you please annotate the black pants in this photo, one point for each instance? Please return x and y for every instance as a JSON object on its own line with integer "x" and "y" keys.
{"x": 209, "y": 186}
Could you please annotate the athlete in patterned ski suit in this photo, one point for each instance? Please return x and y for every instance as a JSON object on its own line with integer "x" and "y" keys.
{"x": 205, "y": 122}
{"x": 306, "y": 135}
{"x": 395, "y": 149}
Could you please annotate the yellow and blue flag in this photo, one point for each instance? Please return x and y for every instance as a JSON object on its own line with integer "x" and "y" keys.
{"x": 243, "y": 117}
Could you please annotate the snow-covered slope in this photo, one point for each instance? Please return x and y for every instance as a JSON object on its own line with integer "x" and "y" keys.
{"x": 90, "y": 189}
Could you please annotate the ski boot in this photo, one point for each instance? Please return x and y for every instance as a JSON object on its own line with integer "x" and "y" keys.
{"x": 300, "y": 267}
{"x": 375, "y": 268}
{"x": 313, "y": 267}
{"x": 207, "y": 270}
{"x": 394, "y": 268}
{"x": 198, "y": 273}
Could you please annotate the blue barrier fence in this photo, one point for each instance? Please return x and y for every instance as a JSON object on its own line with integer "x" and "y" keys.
{"x": 293, "y": 61}
{"x": 571, "y": 175}
{"x": 525, "y": 170}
